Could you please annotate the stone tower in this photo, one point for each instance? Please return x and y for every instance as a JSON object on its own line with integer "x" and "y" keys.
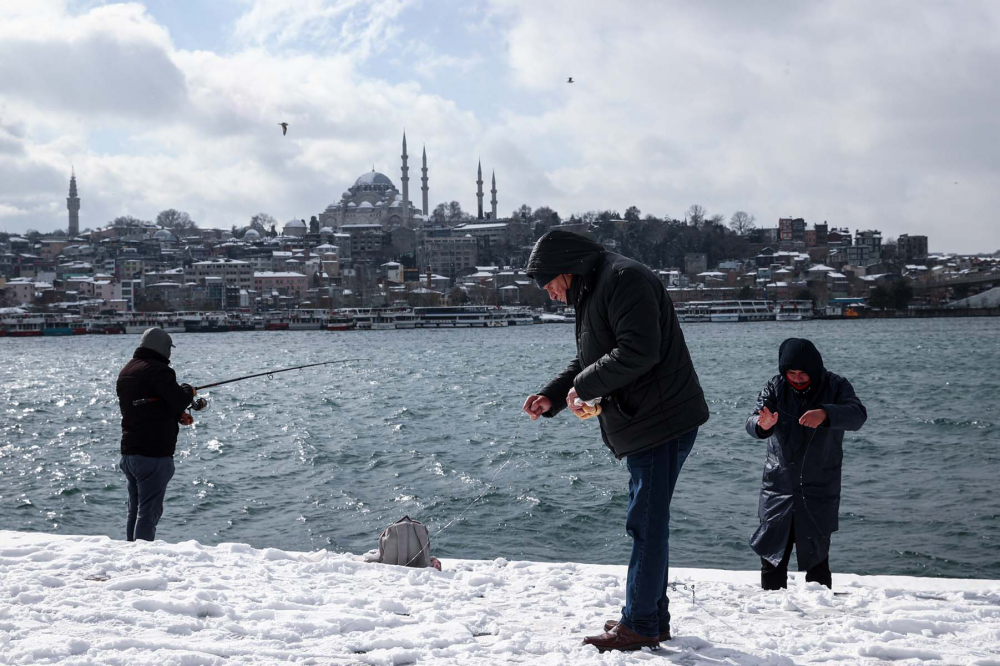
{"x": 405, "y": 178}
{"x": 423, "y": 179}
{"x": 73, "y": 206}
{"x": 479, "y": 190}
{"x": 493, "y": 201}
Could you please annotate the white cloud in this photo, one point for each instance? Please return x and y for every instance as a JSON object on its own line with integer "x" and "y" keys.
{"x": 359, "y": 27}
{"x": 862, "y": 114}
{"x": 867, "y": 115}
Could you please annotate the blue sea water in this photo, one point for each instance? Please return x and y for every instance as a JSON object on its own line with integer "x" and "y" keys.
{"x": 431, "y": 427}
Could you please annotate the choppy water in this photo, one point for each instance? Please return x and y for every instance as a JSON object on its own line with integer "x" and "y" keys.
{"x": 328, "y": 456}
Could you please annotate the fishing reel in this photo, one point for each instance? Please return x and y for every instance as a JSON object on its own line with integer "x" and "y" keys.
{"x": 199, "y": 404}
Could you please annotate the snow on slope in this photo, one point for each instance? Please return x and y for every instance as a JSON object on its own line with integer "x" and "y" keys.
{"x": 90, "y": 600}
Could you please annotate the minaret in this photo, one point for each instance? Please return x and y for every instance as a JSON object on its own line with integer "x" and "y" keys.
{"x": 479, "y": 189}
{"x": 406, "y": 186}
{"x": 423, "y": 179}
{"x": 493, "y": 201}
{"x": 73, "y": 205}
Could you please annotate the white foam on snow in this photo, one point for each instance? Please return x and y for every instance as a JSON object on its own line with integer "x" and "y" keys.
{"x": 79, "y": 600}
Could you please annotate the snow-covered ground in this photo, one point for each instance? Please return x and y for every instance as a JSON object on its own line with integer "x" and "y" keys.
{"x": 91, "y": 600}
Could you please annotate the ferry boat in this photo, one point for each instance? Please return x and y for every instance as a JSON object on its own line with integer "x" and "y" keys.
{"x": 794, "y": 311}
{"x": 137, "y": 323}
{"x": 519, "y": 317}
{"x": 244, "y": 321}
{"x": 741, "y": 311}
{"x": 340, "y": 321}
{"x": 307, "y": 320}
{"x": 207, "y": 322}
{"x": 22, "y": 325}
{"x": 276, "y": 321}
{"x": 105, "y": 326}
{"x": 63, "y": 324}
{"x": 694, "y": 311}
{"x": 723, "y": 311}
{"x": 459, "y": 316}
{"x": 394, "y": 319}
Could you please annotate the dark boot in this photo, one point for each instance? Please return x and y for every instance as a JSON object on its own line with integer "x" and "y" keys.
{"x": 821, "y": 574}
{"x": 621, "y": 638}
{"x": 663, "y": 637}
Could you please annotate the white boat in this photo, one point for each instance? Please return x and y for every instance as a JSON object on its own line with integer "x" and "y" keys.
{"x": 137, "y": 323}
{"x": 519, "y": 317}
{"x": 741, "y": 311}
{"x": 794, "y": 311}
{"x": 459, "y": 316}
{"x": 694, "y": 311}
{"x": 307, "y": 320}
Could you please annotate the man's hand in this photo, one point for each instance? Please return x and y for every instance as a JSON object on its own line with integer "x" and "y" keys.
{"x": 571, "y": 403}
{"x": 814, "y": 418}
{"x": 536, "y": 405}
{"x": 766, "y": 420}
{"x": 185, "y": 419}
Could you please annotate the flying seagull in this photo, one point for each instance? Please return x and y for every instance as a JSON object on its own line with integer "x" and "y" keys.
{"x": 284, "y": 128}
{"x": 569, "y": 80}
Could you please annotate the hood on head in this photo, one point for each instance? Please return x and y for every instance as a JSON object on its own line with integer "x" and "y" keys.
{"x": 559, "y": 252}
{"x": 801, "y": 354}
{"x": 157, "y": 340}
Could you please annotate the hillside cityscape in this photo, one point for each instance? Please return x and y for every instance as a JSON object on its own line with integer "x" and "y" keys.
{"x": 375, "y": 248}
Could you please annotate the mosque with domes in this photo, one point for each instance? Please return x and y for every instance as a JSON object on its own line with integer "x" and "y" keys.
{"x": 374, "y": 199}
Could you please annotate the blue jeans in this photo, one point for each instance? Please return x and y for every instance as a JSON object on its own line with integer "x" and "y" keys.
{"x": 147, "y": 484}
{"x": 650, "y": 487}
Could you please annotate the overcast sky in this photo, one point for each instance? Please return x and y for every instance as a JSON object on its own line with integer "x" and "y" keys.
{"x": 863, "y": 114}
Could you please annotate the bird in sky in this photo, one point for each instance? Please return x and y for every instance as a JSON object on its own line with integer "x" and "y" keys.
{"x": 284, "y": 128}
{"x": 569, "y": 80}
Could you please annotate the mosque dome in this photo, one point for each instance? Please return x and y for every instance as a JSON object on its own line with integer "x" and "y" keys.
{"x": 365, "y": 204}
{"x": 251, "y": 235}
{"x": 373, "y": 178}
{"x": 163, "y": 235}
{"x": 326, "y": 230}
{"x": 295, "y": 224}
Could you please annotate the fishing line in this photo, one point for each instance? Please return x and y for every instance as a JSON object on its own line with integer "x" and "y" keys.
{"x": 746, "y": 639}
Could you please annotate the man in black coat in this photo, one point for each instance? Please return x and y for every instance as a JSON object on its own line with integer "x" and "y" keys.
{"x": 631, "y": 354}
{"x": 149, "y": 430}
{"x": 803, "y": 412}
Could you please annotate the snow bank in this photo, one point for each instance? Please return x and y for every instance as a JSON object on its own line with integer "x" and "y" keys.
{"x": 90, "y": 600}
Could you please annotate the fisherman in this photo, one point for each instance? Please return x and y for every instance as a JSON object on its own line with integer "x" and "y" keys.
{"x": 803, "y": 413}
{"x": 630, "y": 353}
{"x": 149, "y": 430}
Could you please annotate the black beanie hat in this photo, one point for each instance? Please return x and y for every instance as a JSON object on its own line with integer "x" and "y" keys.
{"x": 542, "y": 279}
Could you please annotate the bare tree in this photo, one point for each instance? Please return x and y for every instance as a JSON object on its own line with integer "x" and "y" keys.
{"x": 696, "y": 215}
{"x": 742, "y": 223}
{"x": 175, "y": 219}
{"x": 261, "y": 222}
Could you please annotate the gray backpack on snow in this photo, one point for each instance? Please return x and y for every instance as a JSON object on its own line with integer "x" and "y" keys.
{"x": 406, "y": 543}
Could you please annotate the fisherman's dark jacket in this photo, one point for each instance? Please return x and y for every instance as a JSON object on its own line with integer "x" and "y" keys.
{"x": 630, "y": 348}
{"x": 150, "y": 429}
{"x": 801, "y": 482}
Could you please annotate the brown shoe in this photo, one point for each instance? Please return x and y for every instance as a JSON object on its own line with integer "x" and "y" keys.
{"x": 621, "y": 638}
{"x": 663, "y": 637}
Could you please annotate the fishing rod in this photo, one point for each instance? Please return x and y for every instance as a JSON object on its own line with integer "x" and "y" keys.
{"x": 201, "y": 403}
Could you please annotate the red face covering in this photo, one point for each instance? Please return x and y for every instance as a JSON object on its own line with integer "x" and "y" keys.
{"x": 798, "y": 387}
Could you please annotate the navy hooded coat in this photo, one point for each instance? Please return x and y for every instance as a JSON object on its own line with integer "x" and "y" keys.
{"x": 801, "y": 483}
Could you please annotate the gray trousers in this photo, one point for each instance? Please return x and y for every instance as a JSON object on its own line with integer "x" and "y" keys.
{"x": 147, "y": 484}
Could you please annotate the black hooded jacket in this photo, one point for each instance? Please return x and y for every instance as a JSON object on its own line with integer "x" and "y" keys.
{"x": 150, "y": 429}
{"x": 630, "y": 348}
{"x": 801, "y": 482}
